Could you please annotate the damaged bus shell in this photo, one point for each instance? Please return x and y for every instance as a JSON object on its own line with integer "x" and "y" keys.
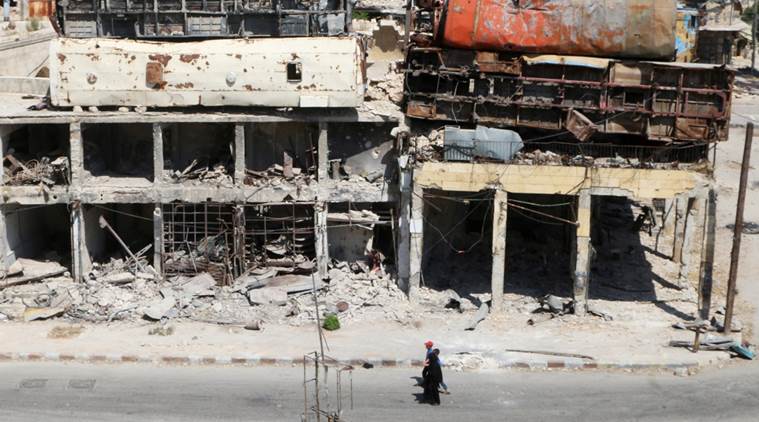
{"x": 586, "y": 97}
{"x": 321, "y": 72}
{"x": 191, "y": 18}
{"x": 634, "y": 29}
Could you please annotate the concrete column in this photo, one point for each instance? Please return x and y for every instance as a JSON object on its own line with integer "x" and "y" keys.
{"x": 581, "y": 258}
{"x": 158, "y": 239}
{"x": 404, "y": 214}
{"x": 706, "y": 273}
{"x": 5, "y": 255}
{"x": 416, "y": 241}
{"x": 498, "y": 273}
{"x": 680, "y": 216}
{"x": 667, "y": 226}
{"x": 692, "y": 242}
{"x": 76, "y": 154}
{"x": 81, "y": 263}
{"x": 322, "y": 245}
{"x": 24, "y": 9}
{"x": 322, "y": 169}
{"x": 157, "y": 154}
{"x": 239, "y": 154}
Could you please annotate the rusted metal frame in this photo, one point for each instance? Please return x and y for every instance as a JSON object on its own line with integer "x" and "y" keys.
{"x": 614, "y": 110}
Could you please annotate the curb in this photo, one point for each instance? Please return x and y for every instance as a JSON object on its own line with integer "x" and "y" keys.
{"x": 255, "y": 361}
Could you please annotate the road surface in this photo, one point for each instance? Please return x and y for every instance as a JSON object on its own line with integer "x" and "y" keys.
{"x": 72, "y": 392}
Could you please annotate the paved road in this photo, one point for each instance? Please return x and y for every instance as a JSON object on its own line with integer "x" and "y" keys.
{"x": 71, "y": 392}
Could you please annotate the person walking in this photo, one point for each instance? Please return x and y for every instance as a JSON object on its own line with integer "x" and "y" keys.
{"x": 434, "y": 375}
{"x": 428, "y": 346}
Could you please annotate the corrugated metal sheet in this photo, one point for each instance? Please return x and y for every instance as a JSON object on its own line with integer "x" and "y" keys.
{"x": 288, "y": 72}
{"x": 643, "y": 29}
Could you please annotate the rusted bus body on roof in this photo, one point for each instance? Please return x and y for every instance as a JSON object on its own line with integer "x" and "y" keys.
{"x": 591, "y": 98}
{"x": 206, "y": 18}
{"x": 325, "y": 72}
{"x": 640, "y": 29}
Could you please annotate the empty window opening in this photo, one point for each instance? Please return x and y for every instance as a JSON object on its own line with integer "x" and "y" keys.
{"x": 457, "y": 241}
{"x": 361, "y": 233}
{"x": 37, "y": 154}
{"x": 132, "y": 223}
{"x": 38, "y": 240}
{"x": 199, "y": 153}
{"x": 539, "y": 245}
{"x": 282, "y": 151}
{"x": 634, "y": 248}
{"x": 119, "y": 153}
{"x": 294, "y": 72}
{"x": 361, "y": 150}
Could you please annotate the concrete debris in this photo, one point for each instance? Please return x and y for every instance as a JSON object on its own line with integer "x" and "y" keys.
{"x": 159, "y": 309}
{"x": 278, "y": 174}
{"x": 216, "y": 174}
{"x": 479, "y": 316}
{"x": 268, "y": 296}
{"x": 163, "y": 330}
{"x": 256, "y": 325}
{"x": 36, "y": 171}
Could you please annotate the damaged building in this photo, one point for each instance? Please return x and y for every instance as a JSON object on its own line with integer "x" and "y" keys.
{"x": 218, "y": 161}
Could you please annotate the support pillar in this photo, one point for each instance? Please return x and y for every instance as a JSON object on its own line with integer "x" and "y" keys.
{"x": 81, "y": 263}
{"x": 238, "y": 238}
{"x": 707, "y": 256}
{"x": 239, "y": 154}
{"x": 157, "y": 155}
{"x": 692, "y": 242}
{"x": 404, "y": 233}
{"x": 498, "y": 273}
{"x": 416, "y": 241}
{"x": 582, "y": 254}
{"x": 322, "y": 245}
{"x": 322, "y": 169}
{"x": 76, "y": 155}
{"x": 158, "y": 239}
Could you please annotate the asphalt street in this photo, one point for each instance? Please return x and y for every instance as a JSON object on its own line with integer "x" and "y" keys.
{"x": 74, "y": 392}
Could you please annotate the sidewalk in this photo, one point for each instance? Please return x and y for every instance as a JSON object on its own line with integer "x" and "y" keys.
{"x": 611, "y": 344}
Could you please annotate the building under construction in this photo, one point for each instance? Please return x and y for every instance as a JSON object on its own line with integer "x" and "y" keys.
{"x": 232, "y": 138}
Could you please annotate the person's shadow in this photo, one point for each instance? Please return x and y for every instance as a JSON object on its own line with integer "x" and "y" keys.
{"x": 419, "y": 397}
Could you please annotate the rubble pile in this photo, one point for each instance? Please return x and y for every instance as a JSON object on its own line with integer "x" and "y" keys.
{"x": 276, "y": 174}
{"x": 36, "y": 171}
{"x": 207, "y": 174}
{"x": 388, "y": 88}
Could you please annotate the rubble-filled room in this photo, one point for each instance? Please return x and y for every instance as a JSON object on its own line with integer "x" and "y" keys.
{"x": 279, "y": 239}
{"x": 361, "y": 236}
{"x": 361, "y": 152}
{"x": 119, "y": 154}
{"x": 37, "y": 155}
{"x": 197, "y": 238}
{"x": 280, "y": 152}
{"x": 119, "y": 238}
{"x": 38, "y": 240}
{"x": 199, "y": 153}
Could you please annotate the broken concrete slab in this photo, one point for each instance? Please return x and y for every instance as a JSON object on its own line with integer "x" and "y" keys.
{"x": 31, "y": 314}
{"x": 160, "y": 309}
{"x": 479, "y": 316}
{"x": 269, "y": 295}
{"x": 200, "y": 285}
{"x": 118, "y": 278}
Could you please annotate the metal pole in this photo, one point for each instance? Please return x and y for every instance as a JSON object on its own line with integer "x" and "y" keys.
{"x": 738, "y": 229}
{"x": 753, "y": 36}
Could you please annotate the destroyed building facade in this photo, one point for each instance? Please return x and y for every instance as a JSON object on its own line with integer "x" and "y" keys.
{"x": 231, "y": 164}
